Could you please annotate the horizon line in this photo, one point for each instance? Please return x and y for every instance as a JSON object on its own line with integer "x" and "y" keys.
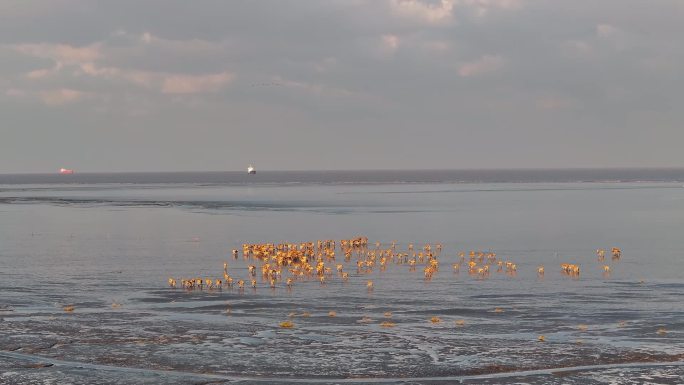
{"x": 620, "y": 168}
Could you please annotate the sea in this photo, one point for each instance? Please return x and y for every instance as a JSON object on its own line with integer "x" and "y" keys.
{"x": 85, "y": 263}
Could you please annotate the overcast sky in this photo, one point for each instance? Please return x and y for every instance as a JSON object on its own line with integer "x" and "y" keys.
{"x": 349, "y": 84}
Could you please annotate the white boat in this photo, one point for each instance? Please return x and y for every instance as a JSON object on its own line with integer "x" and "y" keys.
{"x": 251, "y": 169}
{"x": 66, "y": 171}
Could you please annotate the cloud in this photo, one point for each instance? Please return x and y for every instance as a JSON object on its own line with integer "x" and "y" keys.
{"x": 194, "y": 84}
{"x": 576, "y": 48}
{"x": 485, "y": 64}
{"x": 60, "y": 96}
{"x": 50, "y": 97}
{"x": 554, "y": 103}
{"x": 61, "y": 53}
{"x": 606, "y": 38}
{"x": 73, "y": 61}
{"x": 44, "y": 72}
{"x": 147, "y": 38}
{"x": 164, "y": 82}
{"x": 15, "y": 93}
{"x": 313, "y": 88}
{"x": 481, "y": 8}
{"x": 606, "y": 30}
{"x": 177, "y": 46}
{"x": 614, "y": 37}
{"x": 390, "y": 43}
{"x": 437, "y": 46}
{"x": 325, "y": 65}
{"x": 319, "y": 91}
{"x": 430, "y": 13}
{"x": 443, "y": 11}
{"x": 141, "y": 78}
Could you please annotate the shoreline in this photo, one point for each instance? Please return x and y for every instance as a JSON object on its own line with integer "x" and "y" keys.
{"x": 44, "y": 362}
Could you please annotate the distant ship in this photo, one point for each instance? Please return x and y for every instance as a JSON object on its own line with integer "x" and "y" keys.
{"x": 251, "y": 169}
{"x": 66, "y": 171}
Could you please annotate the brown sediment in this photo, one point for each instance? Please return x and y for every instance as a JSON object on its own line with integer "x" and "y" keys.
{"x": 562, "y": 373}
{"x": 492, "y": 369}
{"x": 38, "y": 365}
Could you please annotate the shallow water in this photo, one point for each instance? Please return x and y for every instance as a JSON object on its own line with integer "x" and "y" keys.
{"x": 93, "y": 245}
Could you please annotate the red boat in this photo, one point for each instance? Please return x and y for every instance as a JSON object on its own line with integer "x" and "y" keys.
{"x": 65, "y": 171}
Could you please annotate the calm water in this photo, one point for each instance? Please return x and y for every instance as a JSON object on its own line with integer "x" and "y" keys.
{"x": 103, "y": 239}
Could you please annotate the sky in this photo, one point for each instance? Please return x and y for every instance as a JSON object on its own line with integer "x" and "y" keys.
{"x": 177, "y": 85}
